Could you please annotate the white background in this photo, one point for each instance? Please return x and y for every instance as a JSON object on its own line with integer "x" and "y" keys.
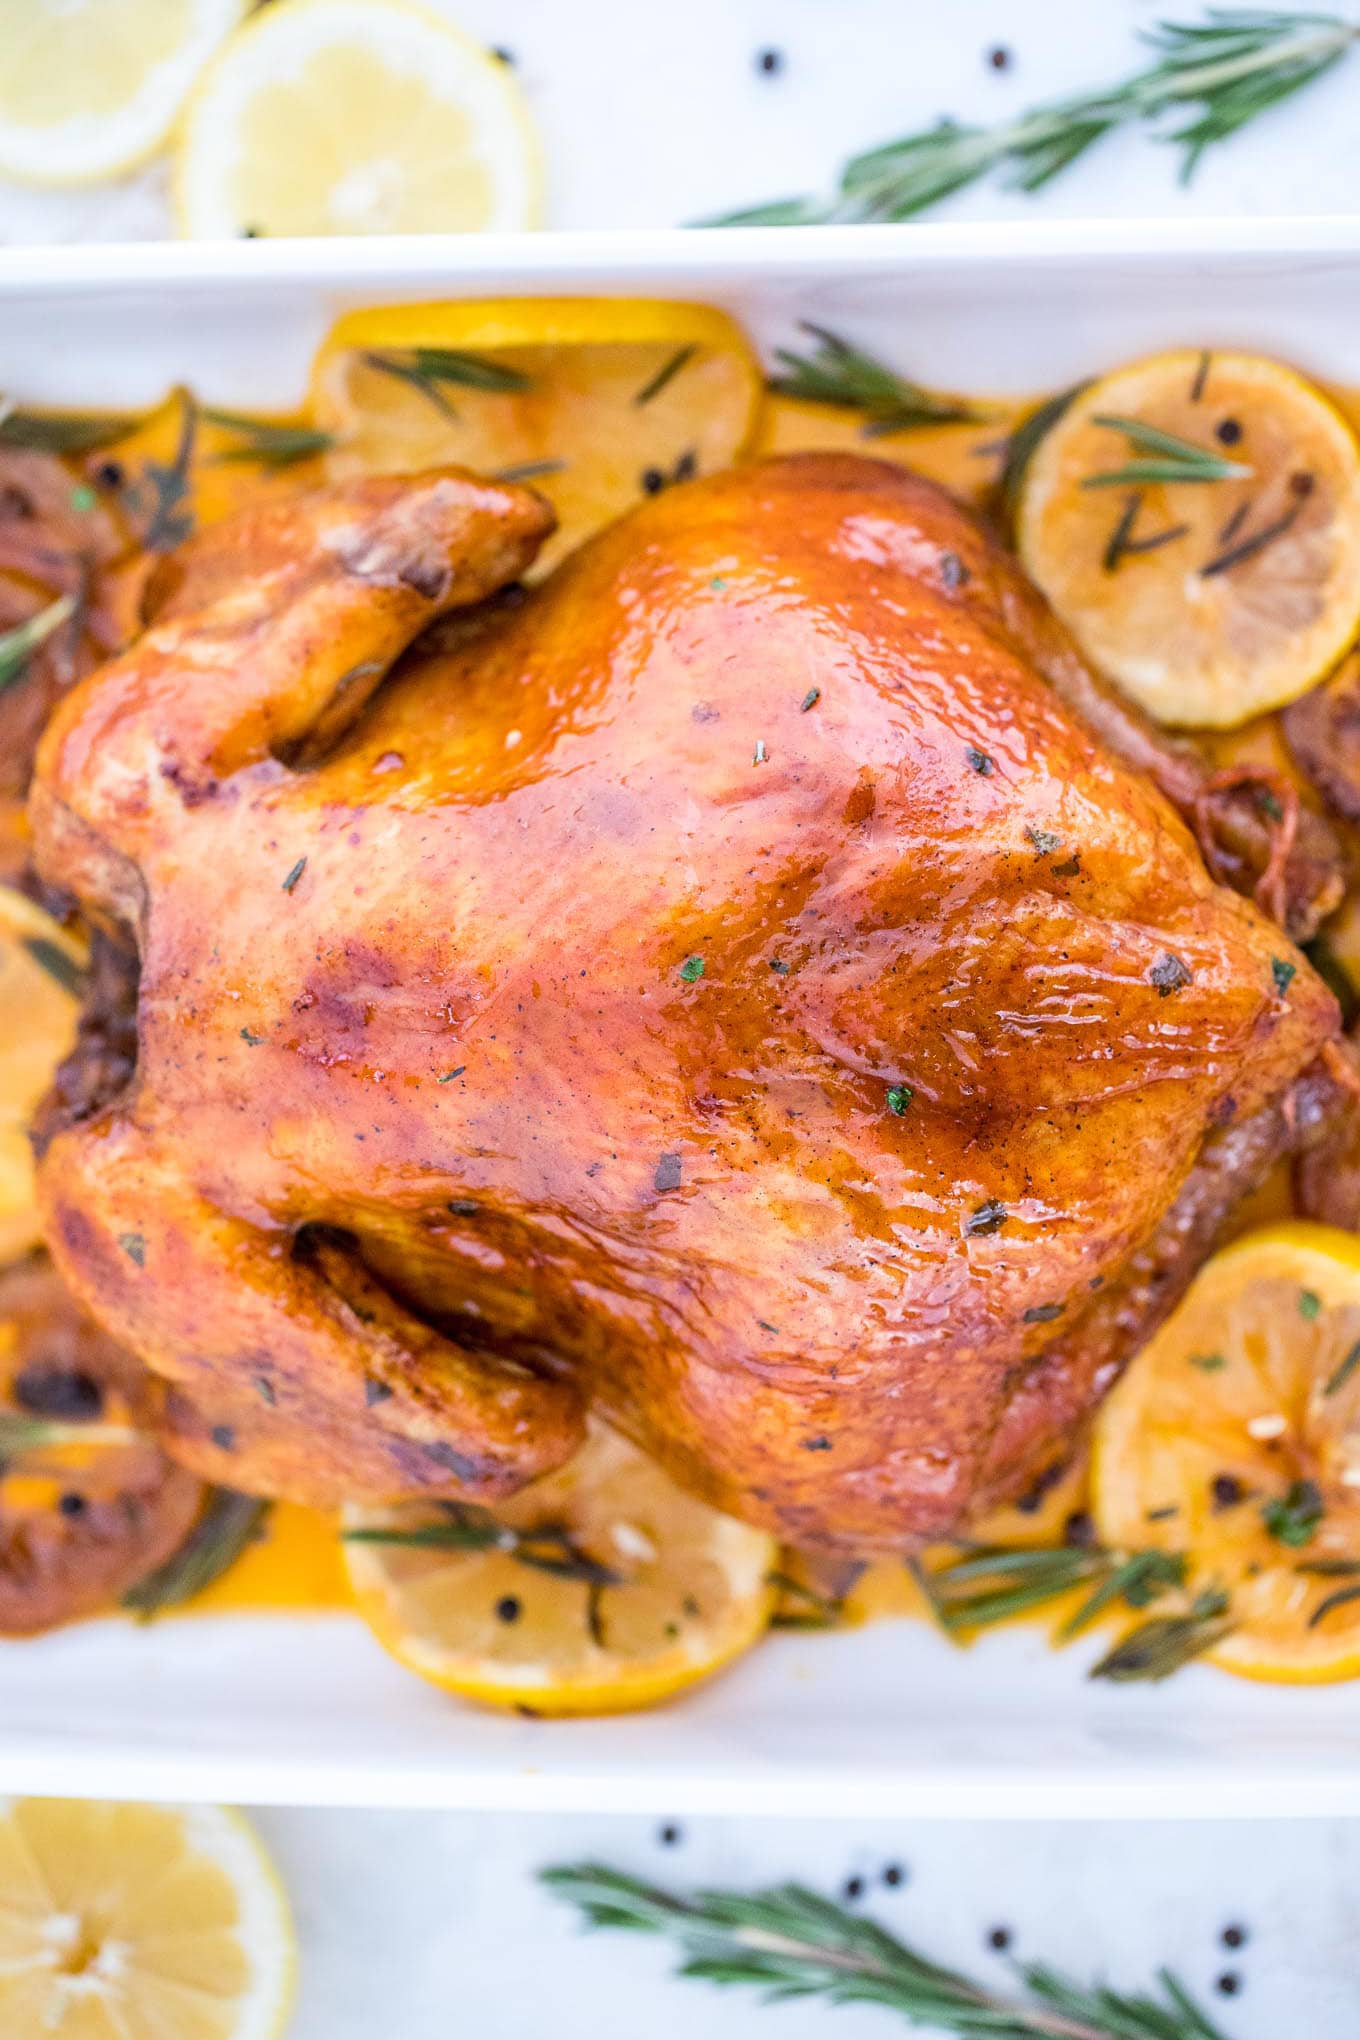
{"x": 423, "y": 1927}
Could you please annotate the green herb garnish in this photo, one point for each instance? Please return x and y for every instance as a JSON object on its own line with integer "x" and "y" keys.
{"x": 1166, "y": 458}
{"x": 270, "y": 444}
{"x": 18, "y": 645}
{"x": 62, "y": 432}
{"x": 1217, "y": 74}
{"x": 1337, "y": 1380}
{"x": 665, "y": 374}
{"x": 1283, "y": 973}
{"x": 788, "y": 1942}
{"x": 899, "y": 1097}
{"x": 852, "y": 380}
{"x": 549, "y": 1548}
{"x": 1293, "y": 1518}
{"x": 1156, "y": 1649}
{"x": 431, "y": 369}
{"x": 230, "y": 1523}
{"x": 692, "y": 969}
{"x": 1025, "y": 440}
{"x": 1310, "y": 1304}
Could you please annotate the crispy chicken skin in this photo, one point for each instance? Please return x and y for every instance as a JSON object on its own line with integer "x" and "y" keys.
{"x": 438, "y": 1131}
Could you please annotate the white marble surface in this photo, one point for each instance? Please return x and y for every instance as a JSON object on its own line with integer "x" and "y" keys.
{"x": 419, "y": 1927}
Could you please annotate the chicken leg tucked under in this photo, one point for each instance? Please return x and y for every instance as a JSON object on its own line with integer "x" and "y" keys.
{"x": 727, "y": 986}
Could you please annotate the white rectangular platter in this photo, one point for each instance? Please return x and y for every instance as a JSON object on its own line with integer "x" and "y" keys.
{"x": 890, "y": 1719}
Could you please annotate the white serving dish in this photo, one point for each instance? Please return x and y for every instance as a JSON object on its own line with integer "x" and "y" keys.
{"x": 885, "y": 1720}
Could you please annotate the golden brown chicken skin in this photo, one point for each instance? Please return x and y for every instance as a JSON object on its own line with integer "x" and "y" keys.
{"x": 725, "y": 986}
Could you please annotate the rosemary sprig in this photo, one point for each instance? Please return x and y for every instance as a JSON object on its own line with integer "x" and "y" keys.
{"x": 548, "y": 1547}
{"x": 1001, "y": 1582}
{"x": 811, "y": 1609}
{"x": 1156, "y": 1649}
{"x": 1222, "y": 72}
{"x": 270, "y": 444}
{"x": 789, "y": 1942}
{"x": 229, "y": 1524}
{"x": 1024, "y": 442}
{"x": 429, "y": 369}
{"x": 1333, "y": 1569}
{"x": 68, "y": 432}
{"x": 17, "y": 646}
{"x": 1167, "y": 458}
{"x": 20, "y": 1434}
{"x": 161, "y": 494}
{"x": 837, "y": 373}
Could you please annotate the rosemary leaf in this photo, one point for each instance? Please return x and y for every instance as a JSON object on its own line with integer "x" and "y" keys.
{"x": 788, "y": 1942}
{"x": 666, "y": 374}
{"x": 1025, "y": 440}
{"x": 1136, "y": 1582}
{"x": 429, "y": 369}
{"x": 1165, "y": 459}
{"x": 548, "y": 1548}
{"x": 270, "y": 444}
{"x": 18, "y": 645}
{"x": 837, "y": 373}
{"x": 63, "y": 432}
{"x": 229, "y": 1524}
{"x": 1223, "y": 72}
{"x": 52, "y": 958}
{"x": 997, "y": 1584}
{"x": 1156, "y": 1649}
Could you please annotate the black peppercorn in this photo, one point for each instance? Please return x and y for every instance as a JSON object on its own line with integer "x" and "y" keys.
{"x": 508, "y": 1608}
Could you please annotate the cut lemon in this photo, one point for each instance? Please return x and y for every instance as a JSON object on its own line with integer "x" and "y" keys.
{"x": 1209, "y": 600}
{"x": 355, "y": 117}
{"x": 604, "y": 1587}
{"x": 121, "y": 1922}
{"x": 1235, "y": 1438}
{"x": 40, "y": 967}
{"x": 593, "y": 402}
{"x": 89, "y": 88}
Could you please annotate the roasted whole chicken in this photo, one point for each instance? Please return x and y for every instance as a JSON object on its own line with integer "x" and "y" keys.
{"x": 738, "y": 986}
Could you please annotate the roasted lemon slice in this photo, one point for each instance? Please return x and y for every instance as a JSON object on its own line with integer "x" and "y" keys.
{"x": 40, "y": 966}
{"x": 1195, "y": 520}
{"x": 355, "y": 117}
{"x": 139, "y": 1922}
{"x": 1235, "y": 1438}
{"x": 89, "y": 90}
{"x": 604, "y": 1587}
{"x": 594, "y": 402}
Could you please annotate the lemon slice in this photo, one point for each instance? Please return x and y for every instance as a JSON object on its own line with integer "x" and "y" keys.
{"x": 1235, "y": 1438}
{"x": 496, "y": 1624}
{"x": 593, "y": 402}
{"x": 40, "y": 966}
{"x": 355, "y": 117}
{"x": 121, "y": 1922}
{"x": 89, "y": 88}
{"x": 1213, "y": 600}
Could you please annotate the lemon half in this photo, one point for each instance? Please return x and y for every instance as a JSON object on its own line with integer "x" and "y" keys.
{"x": 1213, "y": 600}
{"x": 693, "y": 1589}
{"x": 355, "y": 117}
{"x": 125, "y": 1922}
{"x": 592, "y": 402}
{"x": 1234, "y": 1437}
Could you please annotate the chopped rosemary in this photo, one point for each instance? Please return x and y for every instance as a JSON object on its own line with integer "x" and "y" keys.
{"x": 665, "y": 375}
{"x": 899, "y": 1097}
{"x": 1165, "y": 458}
{"x": 809, "y": 700}
{"x": 1217, "y": 75}
{"x": 692, "y": 969}
{"x": 294, "y": 875}
{"x": 788, "y": 1942}
{"x": 18, "y": 645}
{"x": 429, "y": 369}
{"x": 1310, "y": 1304}
{"x": 1293, "y": 1518}
{"x": 840, "y": 374}
{"x": 265, "y": 441}
{"x": 1283, "y": 974}
{"x": 549, "y": 1548}
{"x": 229, "y": 1524}
{"x": 61, "y": 968}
